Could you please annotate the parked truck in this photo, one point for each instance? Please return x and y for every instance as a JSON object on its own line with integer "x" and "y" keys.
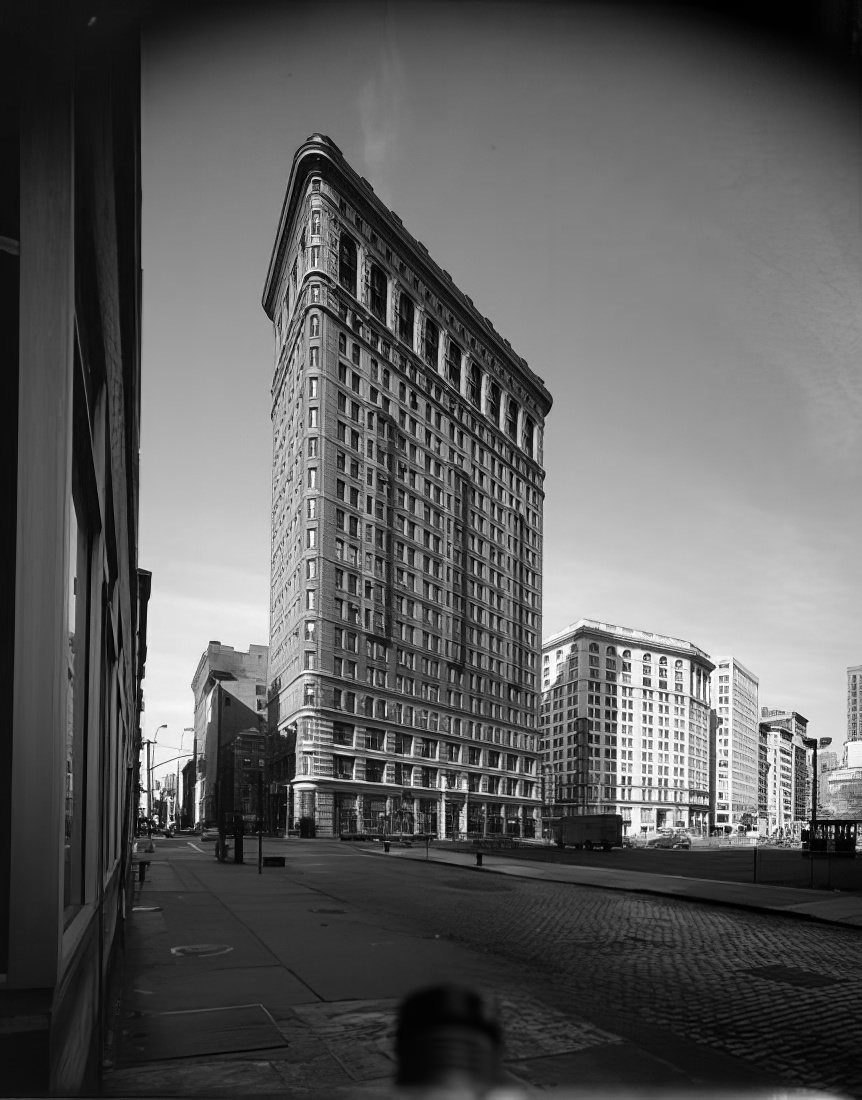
{"x": 589, "y": 831}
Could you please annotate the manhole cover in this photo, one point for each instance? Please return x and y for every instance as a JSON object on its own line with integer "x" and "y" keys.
{"x": 793, "y": 975}
{"x": 146, "y": 908}
{"x": 327, "y": 910}
{"x": 201, "y": 949}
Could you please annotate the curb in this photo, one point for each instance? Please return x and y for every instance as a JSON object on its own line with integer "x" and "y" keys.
{"x": 749, "y": 907}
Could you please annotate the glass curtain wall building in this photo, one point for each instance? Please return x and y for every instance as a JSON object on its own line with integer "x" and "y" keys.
{"x": 406, "y": 555}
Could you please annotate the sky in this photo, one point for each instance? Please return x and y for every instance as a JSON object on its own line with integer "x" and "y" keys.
{"x": 659, "y": 210}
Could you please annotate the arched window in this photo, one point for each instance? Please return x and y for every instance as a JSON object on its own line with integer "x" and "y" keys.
{"x": 512, "y": 418}
{"x": 432, "y": 343}
{"x": 347, "y": 263}
{"x": 475, "y": 393}
{"x": 611, "y": 651}
{"x": 406, "y": 315}
{"x": 677, "y": 664}
{"x": 647, "y": 657}
{"x": 453, "y": 364}
{"x": 662, "y": 660}
{"x": 627, "y": 653}
{"x": 594, "y": 647}
{"x": 377, "y": 292}
{"x": 494, "y": 403}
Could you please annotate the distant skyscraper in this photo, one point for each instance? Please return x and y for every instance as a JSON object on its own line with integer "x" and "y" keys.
{"x": 854, "y": 703}
{"x": 406, "y": 553}
{"x": 734, "y": 697}
{"x": 625, "y": 726}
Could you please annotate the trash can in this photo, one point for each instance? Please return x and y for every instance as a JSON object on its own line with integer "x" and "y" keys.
{"x": 385, "y": 845}
{"x": 237, "y": 846}
{"x": 478, "y": 859}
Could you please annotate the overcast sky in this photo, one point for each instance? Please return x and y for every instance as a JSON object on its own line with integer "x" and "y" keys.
{"x": 663, "y": 217}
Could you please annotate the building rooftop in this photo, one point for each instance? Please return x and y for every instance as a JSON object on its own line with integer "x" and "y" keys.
{"x": 623, "y": 632}
{"x": 318, "y": 150}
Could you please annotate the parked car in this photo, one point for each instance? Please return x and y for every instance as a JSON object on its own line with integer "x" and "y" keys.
{"x": 670, "y": 840}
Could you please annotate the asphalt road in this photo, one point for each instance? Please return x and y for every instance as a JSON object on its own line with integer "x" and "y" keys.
{"x": 771, "y": 995}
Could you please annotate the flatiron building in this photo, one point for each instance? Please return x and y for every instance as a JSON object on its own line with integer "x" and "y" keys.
{"x": 406, "y": 554}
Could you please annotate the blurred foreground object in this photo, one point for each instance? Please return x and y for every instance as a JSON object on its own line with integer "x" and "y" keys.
{"x": 449, "y": 1046}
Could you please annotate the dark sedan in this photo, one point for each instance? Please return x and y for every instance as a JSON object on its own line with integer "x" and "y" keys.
{"x": 670, "y": 840}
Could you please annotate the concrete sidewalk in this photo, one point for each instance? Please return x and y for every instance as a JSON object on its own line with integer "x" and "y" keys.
{"x": 834, "y": 907}
{"x": 236, "y": 983}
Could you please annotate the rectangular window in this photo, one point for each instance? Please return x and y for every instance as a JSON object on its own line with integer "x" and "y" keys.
{"x": 377, "y": 292}
{"x": 453, "y": 364}
{"x": 406, "y": 316}
{"x": 77, "y": 645}
{"x": 432, "y": 343}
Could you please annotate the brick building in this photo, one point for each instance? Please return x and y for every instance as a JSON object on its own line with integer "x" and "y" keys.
{"x": 229, "y": 687}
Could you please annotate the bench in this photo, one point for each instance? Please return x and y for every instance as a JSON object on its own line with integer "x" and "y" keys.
{"x": 273, "y": 861}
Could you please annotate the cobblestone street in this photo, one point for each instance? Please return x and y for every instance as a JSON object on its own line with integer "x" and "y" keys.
{"x": 780, "y": 993}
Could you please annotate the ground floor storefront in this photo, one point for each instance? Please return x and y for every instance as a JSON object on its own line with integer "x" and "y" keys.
{"x": 329, "y": 812}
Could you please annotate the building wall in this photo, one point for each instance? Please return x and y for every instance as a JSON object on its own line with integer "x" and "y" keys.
{"x": 229, "y": 689}
{"x": 844, "y": 792}
{"x": 625, "y": 725}
{"x": 406, "y": 526}
{"x": 75, "y": 638}
{"x": 854, "y": 703}
{"x": 735, "y": 697}
{"x": 789, "y": 770}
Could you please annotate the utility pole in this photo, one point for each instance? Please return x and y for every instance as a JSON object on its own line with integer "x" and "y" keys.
{"x": 260, "y": 822}
{"x": 149, "y": 791}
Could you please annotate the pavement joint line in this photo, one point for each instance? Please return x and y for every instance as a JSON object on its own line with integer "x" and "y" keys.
{"x": 210, "y": 1056}
{"x": 217, "y": 1008}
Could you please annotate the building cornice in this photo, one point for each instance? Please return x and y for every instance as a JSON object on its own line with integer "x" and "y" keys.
{"x": 321, "y": 154}
{"x": 624, "y": 633}
{"x": 737, "y": 664}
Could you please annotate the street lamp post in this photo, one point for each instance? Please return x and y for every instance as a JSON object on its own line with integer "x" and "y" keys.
{"x": 170, "y": 760}
{"x": 150, "y": 745}
{"x": 177, "y": 810}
